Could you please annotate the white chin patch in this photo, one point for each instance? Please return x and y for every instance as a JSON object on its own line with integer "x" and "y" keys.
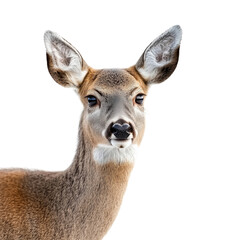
{"x": 103, "y": 154}
{"x": 121, "y": 143}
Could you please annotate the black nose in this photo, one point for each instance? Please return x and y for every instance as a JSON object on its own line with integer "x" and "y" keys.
{"x": 121, "y": 130}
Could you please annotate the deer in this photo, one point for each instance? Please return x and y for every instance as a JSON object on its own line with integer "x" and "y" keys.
{"x": 82, "y": 202}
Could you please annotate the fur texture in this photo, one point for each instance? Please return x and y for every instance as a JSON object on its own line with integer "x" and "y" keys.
{"x": 105, "y": 154}
{"x": 79, "y": 203}
{"x": 160, "y": 58}
{"x": 82, "y": 202}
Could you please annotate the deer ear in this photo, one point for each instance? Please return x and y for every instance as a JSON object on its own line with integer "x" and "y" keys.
{"x": 160, "y": 58}
{"x": 65, "y": 64}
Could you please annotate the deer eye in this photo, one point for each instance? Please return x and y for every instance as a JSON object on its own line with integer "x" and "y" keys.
{"x": 139, "y": 99}
{"x": 92, "y": 101}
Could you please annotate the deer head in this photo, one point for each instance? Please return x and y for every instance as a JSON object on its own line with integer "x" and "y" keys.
{"x": 113, "y": 99}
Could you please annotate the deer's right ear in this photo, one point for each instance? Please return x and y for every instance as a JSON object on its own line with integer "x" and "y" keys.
{"x": 65, "y": 64}
{"x": 160, "y": 58}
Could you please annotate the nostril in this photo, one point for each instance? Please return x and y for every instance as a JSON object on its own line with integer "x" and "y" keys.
{"x": 121, "y": 131}
{"x": 127, "y": 127}
{"x": 118, "y": 127}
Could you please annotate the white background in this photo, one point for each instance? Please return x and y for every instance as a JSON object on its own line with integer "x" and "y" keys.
{"x": 186, "y": 181}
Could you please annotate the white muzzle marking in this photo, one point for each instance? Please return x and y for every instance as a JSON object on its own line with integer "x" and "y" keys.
{"x": 121, "y": 143}
{"x": 103, "y": 154}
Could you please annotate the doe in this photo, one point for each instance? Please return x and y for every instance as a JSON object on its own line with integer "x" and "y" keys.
{"x": 82, "y": 202}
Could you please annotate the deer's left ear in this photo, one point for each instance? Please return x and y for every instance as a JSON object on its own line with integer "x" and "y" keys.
{"x": 65, "y": 64}
{"x": 160, "y": 58}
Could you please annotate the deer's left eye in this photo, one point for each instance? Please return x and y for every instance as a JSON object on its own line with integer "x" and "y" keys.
{"x": 92, "y": 101}
{"x": 139, "y": 99}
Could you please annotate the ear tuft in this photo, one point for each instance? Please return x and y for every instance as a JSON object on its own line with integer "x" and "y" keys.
{"x": 160, "y": 58}
{"x": 65, "y": 63}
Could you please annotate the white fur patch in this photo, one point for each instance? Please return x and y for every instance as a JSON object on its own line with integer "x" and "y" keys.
{"x": 62, "y": 52}
{"x": 103, "y": 154}
{"x": 159, "y": 52}
{"x": 146, "y": 74}
{"x": 121, "y": 144}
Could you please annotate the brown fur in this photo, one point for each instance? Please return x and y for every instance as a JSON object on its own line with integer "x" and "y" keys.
{"x": 81, "y": 202}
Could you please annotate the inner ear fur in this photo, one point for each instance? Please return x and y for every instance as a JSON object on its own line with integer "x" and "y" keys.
{"x": 57, "y": 74}
{"x": 160, "y": 58}
{"x": 65, "y": 64}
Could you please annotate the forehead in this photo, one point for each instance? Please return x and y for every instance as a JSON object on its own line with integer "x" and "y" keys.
{"x": 113, "y": 80}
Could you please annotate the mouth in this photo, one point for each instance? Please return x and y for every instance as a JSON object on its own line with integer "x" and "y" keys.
{"x": 121, "y": 143}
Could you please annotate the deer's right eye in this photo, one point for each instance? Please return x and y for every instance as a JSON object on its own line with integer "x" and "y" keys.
{"x": 92, "y": 101}
{"x": 139, "y": 99}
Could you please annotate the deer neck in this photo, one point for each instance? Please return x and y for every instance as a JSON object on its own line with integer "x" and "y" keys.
{"x": 92, "y": 160}
{"x": 96, "y": 188}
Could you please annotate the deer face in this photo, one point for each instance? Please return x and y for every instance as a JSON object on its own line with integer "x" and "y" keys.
{"x": 113, "y": 99}
{"x": 113, "y": 107}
